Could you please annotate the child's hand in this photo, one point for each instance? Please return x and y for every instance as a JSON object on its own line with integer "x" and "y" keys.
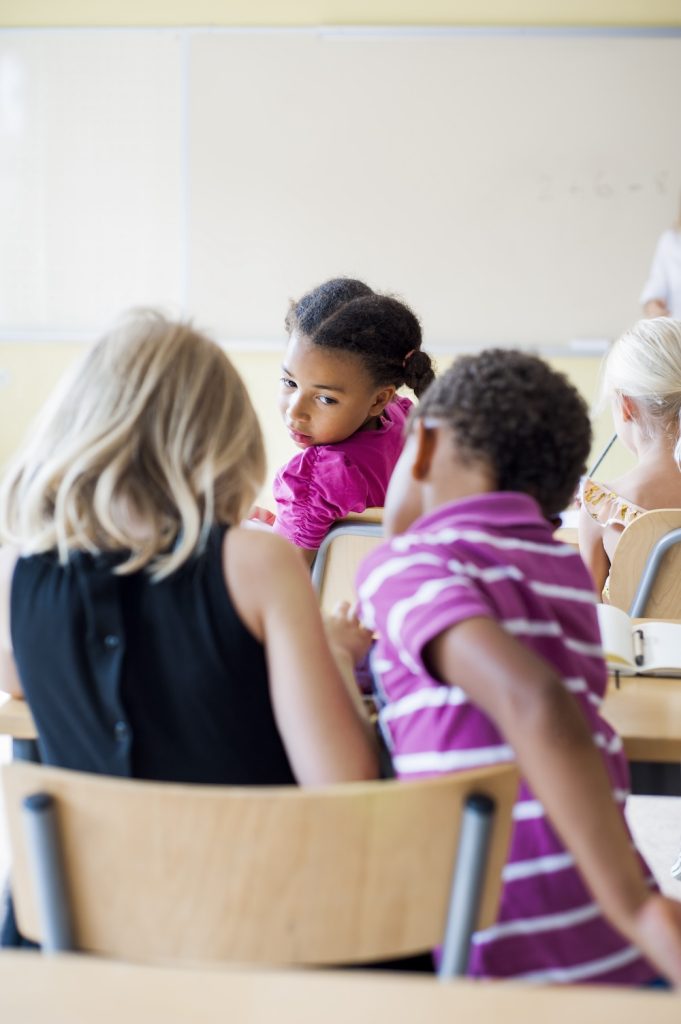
{"x": 262, "y": 515}
{"x": 345, "y": 632}
{"x": 658, "y": 935}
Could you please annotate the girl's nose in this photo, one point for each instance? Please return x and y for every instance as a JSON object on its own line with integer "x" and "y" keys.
{"x": 298, "y": 406}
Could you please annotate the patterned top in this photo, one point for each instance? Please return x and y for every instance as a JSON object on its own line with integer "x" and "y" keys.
{"x": 323, "y": 483}
{"x": 606, "y": 507}
{"x": 494, "y": 555}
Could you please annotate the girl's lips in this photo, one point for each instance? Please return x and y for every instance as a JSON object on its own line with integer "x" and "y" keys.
{"x": 303, "y": 439}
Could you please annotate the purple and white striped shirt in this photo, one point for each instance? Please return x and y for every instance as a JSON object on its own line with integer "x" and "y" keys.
{"x": 494, "y": 555}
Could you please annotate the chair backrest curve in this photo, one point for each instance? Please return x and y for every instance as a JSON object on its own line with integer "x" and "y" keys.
{"x": 635, "y": 545}
{"x": 168, "y": 872}
{"x": 347, "y": 543}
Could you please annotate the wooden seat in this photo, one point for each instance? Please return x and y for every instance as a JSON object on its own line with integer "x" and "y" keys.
{"x": 340, "y": 553}
{"x": 73, "y": 989}
{"x": 161, "y": 872}
{"x": 645, "y": 575}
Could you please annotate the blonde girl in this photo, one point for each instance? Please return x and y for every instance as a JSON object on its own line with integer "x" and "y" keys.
{"x": 152, "y": 635}
{"x": 642, "y": 380}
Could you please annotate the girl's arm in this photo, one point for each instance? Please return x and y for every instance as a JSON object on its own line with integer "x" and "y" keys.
{"x": 326, "y": 735}
{"x": 9, "y": 678}
{"x": 591, "y": 549}
{"x": 655, "y": 307}
{"x": 656, "y": 289}
{"x": 530, "y": 706}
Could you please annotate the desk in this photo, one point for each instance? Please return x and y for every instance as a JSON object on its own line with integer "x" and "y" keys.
{"x": 15, "y": 718}
{"x": 16, "y": 721}
{"x": 69, "y": 989}
{"x": 646, "y": 712}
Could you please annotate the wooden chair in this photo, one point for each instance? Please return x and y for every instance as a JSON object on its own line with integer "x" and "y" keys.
{"x": 16, "y": 721}
{"x": 162, "y": 872}
{"x": 645, "y": 575}
{"x": 73, "y": 989}
{"x": 345, "y": 545}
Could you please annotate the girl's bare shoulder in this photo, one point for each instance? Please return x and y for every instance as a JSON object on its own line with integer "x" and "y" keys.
{"x": 650, "y": 487}
{"x": 258, "y": 546}
{"x": 262, "y": 562}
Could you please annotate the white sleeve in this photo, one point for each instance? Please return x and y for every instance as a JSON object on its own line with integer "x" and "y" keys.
{"x": 657, "y": 285}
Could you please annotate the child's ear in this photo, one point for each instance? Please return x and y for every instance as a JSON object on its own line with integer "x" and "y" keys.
{"x": 628, "y": 408}
{"x": 426, "y": 440}
{"x": 381, "y": 399}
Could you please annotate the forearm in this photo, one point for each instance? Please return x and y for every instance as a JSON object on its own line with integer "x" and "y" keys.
{"x": 346, "y": 667}
{"x": 542, "y": 721}
{"x": 562, "y": 765}
{"x": 567, "y": 774}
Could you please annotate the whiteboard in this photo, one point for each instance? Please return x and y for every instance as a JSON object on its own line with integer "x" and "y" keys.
{"x": 510, "y": 185}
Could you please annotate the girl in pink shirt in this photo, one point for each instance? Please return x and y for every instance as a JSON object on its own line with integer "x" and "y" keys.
{"x": 349, "y": 351}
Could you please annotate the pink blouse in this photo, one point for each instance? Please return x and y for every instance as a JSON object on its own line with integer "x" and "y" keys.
{"x": 323, "y": 483}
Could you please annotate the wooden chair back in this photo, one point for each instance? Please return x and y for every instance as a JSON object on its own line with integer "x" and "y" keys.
{"x": 635, "y": 545}
{"x": 340, "y": 553}
{"x": 163, "y": 872}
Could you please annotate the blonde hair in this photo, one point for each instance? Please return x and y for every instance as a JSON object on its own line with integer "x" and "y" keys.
{"x": 645, "y": 364}
{"x": 146, "y": 443}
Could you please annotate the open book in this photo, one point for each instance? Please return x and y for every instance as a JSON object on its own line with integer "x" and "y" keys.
{"x": 639, "y": 648}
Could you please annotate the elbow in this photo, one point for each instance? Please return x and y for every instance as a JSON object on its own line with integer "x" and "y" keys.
{"x": 543, "y": 707}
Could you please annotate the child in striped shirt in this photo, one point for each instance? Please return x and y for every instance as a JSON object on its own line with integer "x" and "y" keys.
{"x": 489, "y": 651}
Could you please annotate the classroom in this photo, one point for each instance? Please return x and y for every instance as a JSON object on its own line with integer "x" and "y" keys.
{"x": 506, "y": 171}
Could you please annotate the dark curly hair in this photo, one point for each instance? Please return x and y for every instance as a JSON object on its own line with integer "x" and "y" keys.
{"x": 345, "y": 314}
{"x": 525, "y": 420}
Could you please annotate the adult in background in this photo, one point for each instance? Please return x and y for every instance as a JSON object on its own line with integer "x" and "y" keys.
{"x": 661, "y": 295}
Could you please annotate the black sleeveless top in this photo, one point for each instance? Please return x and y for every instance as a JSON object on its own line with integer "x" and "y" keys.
{"x": 151, "y": 680}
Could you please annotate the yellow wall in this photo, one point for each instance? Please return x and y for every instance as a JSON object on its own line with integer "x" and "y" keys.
{"x": 339, "y": 12}
{"x": 32, "y": 369}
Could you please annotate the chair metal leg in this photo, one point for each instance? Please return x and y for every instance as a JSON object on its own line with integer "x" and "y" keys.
{"x": 47, "y": 871}
{"x": 650, "y": 570}
{"x": 467, "y": 884}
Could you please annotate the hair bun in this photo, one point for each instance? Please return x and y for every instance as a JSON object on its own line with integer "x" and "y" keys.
{"x": 418, "y": 371}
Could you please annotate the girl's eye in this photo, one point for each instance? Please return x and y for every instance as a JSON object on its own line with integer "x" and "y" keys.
{"x": 287, "y": 382}
{"x": 325, "y": 400}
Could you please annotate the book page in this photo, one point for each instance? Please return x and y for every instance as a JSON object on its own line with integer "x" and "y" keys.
{"x": 616, "y": 628}
{"x": 661, "y": 648}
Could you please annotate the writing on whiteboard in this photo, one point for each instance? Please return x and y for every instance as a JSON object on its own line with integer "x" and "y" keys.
{"x": 600, "y": 186}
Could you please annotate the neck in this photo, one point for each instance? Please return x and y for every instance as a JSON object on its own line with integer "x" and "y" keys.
{"x": 657, "y": 449}
{"x": 468, "y": 481}
{"x": 372, "y": 423}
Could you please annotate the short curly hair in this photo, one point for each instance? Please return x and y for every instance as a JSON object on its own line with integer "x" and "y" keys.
{"x": 346, "y": 315}
{"x": 525, "y": 420}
